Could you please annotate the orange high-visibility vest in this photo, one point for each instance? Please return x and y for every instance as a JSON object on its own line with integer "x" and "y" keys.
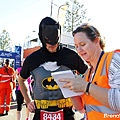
{"x": 6, "y": 76}
{"x": 95, "y": 109}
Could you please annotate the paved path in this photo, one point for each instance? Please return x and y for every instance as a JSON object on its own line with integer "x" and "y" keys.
{"x": 12, "y": 114}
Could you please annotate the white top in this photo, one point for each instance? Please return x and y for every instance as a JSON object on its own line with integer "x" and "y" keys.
{"x": 114, "y": 82}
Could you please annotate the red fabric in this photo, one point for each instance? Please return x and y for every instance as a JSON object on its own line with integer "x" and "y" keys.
{"x": 5, "y": 88}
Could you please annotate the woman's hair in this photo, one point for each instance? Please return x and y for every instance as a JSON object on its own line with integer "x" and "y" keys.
{"x": 91, "y": 33}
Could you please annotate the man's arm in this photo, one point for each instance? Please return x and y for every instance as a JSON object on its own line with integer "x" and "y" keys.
{"x": 26, "y": 95}
{"x": 24, "y": 89}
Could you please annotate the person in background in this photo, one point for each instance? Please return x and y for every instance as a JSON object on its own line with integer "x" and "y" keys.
{"x": 48, "y": 98}
{"x": 19, "y": 96}
{"x": 7, "y": 84}
{"x": 101, "y": 84}
{"x": 1, "y": 62}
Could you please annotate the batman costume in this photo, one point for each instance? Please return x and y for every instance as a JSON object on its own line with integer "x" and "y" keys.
{"x": 40, "y": 64}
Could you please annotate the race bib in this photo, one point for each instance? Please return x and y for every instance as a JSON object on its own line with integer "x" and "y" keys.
{"x": 45, "y": 115}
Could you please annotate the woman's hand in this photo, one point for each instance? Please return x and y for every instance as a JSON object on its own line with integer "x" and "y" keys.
{"x": 77, "y": 84}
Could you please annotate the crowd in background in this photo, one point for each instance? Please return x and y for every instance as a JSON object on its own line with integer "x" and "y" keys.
{"x": 10, "y": 90}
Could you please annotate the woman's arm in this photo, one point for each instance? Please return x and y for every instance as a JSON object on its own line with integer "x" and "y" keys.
{"x": 77, "y": 103}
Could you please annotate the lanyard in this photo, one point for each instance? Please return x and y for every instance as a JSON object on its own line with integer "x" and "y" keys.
{"x": 96, "y": 66}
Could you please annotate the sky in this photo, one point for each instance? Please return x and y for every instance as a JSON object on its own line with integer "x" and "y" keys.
{"x": 21, "y": 17}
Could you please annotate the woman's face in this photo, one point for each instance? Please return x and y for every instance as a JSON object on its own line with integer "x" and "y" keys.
{"x": 84, "y": 46}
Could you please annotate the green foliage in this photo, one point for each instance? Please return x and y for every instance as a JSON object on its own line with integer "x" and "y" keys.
{"x": 75, "y": 15}
{"x": 5, "y": 40}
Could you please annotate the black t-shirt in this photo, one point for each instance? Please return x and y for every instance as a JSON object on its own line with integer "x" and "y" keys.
{"x": 63, "y": 56}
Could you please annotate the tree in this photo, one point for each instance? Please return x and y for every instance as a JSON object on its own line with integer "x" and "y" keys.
{"x": 75, "y": 15}
{"x": 5, "y": 40}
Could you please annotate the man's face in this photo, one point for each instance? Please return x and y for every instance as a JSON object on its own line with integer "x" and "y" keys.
{"x": 51, "y": 48}
{"x": 6, "y": 63}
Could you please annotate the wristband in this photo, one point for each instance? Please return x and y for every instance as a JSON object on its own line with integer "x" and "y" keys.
{"x": 87, "y": 88}
{"x": 81, "y": 75}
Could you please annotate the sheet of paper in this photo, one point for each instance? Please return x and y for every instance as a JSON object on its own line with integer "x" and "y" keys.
{"x": 65, "y": 74}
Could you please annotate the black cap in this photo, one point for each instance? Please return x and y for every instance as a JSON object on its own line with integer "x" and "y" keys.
{"x": 7, "y": 61}
{"x": 49, "y": 31}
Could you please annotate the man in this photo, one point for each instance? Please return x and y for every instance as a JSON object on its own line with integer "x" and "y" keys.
{"x": 48, "y": 99}
{"x": 6, "y": 86}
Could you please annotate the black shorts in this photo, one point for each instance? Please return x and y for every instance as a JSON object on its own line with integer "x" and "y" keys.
{"x": 19, "y": 97}
{"x": 20, "y": 100}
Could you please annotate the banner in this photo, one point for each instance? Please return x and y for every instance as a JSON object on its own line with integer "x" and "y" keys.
{"x": 11, "y": 55}
{"x": 18, "y": 50}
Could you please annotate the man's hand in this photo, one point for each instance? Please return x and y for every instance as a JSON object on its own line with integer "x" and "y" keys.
{"x": 31, "y": 106}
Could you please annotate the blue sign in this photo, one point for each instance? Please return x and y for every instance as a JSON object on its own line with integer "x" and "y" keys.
{"x": 12, "y": 55}
{"x": 18, "y": 49}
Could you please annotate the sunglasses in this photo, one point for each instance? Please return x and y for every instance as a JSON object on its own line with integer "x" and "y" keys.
{"x": 86, "y": 26}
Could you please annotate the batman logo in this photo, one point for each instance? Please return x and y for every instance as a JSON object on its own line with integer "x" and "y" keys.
{"x": 50, "y": 84}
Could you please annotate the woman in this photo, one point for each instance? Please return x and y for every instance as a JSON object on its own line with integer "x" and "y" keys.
{"x": 20, "y": 98}
{"x": 101, "y": 84}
